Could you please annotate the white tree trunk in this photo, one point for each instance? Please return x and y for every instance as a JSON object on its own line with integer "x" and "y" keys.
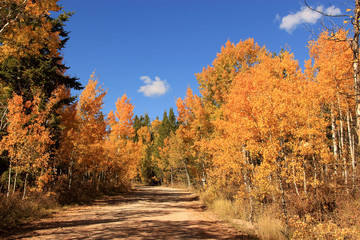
{"x": 9, "y": 181}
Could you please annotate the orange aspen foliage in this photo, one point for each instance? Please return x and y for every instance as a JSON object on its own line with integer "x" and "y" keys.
{"x": 122, "y": 121}
{"x": 164, "y": 156}
{"x": 17, "y": 133}
{"x": 123, "y": 152}
{"x": 192, "y": 116}
{"x": 91, "y": 131}
{"x": 144, "y": 135}
{"x": 18, "y": 36}
{"x": 29, "y": 139}
{"x": 66, "y": 153}
{"x": 270, "y": 121}
{"x": 154, "y": 127}
{"x": 331, "y": 66}
{"x": 173, "y": 157}
{"x": 332, "y": 69}
{"x": 215, "y": 81}
{"x": 195, "y": 127}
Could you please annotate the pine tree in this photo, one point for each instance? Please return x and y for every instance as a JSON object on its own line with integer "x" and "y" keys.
{"x": 31, "y": 41}
{"x": 172, "y": 119}
{"x": 44, "y": 70}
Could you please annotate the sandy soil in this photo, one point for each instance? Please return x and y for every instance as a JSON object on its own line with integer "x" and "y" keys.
{"x": 145, "y": 213}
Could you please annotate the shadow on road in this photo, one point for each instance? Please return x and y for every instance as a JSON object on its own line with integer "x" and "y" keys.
{"x": 145, "y": 213}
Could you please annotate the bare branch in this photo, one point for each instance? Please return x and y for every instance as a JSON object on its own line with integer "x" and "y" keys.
{"x": 9, "y": 22}
{"x": 322, "y": 13}
{"x": 3, "y": 120}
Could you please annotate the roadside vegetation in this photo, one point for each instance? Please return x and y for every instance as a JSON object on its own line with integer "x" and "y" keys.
{"x": 265, "y": 141}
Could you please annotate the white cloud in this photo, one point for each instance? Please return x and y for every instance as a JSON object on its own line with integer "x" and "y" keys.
{"x": 277, "y": 17}
{"x": 332, "y": 10}
{"x": 154, "y": 88}
{"x": 290, "y": 22}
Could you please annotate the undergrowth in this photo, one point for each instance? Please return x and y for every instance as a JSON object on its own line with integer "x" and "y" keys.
{"x": 342, "y": 222}
{"x": 14, "y": 211}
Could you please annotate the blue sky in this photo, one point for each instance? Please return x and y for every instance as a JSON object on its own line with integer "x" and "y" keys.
{"x": 151, "y": 49}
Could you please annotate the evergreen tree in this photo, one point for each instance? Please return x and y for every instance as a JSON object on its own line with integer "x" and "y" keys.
{"x": 139, "y": 122}
{"x": 146, "y": 121}
{"x": 34, "y": 65}
{"x": 164, "y": 129}
{"x": 45, "y": 71}
{"x": 172, "y": 119}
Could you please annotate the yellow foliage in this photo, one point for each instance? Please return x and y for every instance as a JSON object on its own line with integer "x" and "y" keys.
{"x": 19, "y": 36}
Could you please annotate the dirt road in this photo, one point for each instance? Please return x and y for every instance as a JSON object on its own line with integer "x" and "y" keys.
{"x": 146, "y": 213}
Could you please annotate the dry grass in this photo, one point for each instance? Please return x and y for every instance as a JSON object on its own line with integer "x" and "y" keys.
{"x": 235, "y": 213}
{"x": 229, "y": 209}
{"x": 270, "y": 228}
{"x": 14, "y": 211}
{"x": 266, "y": 226}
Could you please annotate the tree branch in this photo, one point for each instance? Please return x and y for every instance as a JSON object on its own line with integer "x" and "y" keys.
{"x": 13, "y": 20}
{"x": 322, "y": 13}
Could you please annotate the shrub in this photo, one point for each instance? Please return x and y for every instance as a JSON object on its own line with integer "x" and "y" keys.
{"x": 14, "y": 211}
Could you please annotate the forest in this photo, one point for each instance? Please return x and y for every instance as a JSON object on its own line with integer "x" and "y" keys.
{"x": 264, "y": 134}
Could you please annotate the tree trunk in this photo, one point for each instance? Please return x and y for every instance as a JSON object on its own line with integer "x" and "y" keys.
{"x": 247, "y": 181}
{"x": 14, "y": 186}
{"x": 72, "y": 162}
{"x": 305, "y": 185}
{"x": 294, "y": 180}
{"x": 251, "y": 201}
{"x": 70, "y": 178}
{"x": 351, "y": 148}
{"x": 355, "y": 49}
{"x": 283, "y": 206}
{"x": 204, "y": 175}
{"x": 9, "y": 181}
{"x": 25, "y": 185}
{"x": 187, "y": 174}
{"x": 171, "y": 177}
{"x": 333, "y": 133}
{"x": 97, "y": 182}
{"x": 343, "y": 155}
